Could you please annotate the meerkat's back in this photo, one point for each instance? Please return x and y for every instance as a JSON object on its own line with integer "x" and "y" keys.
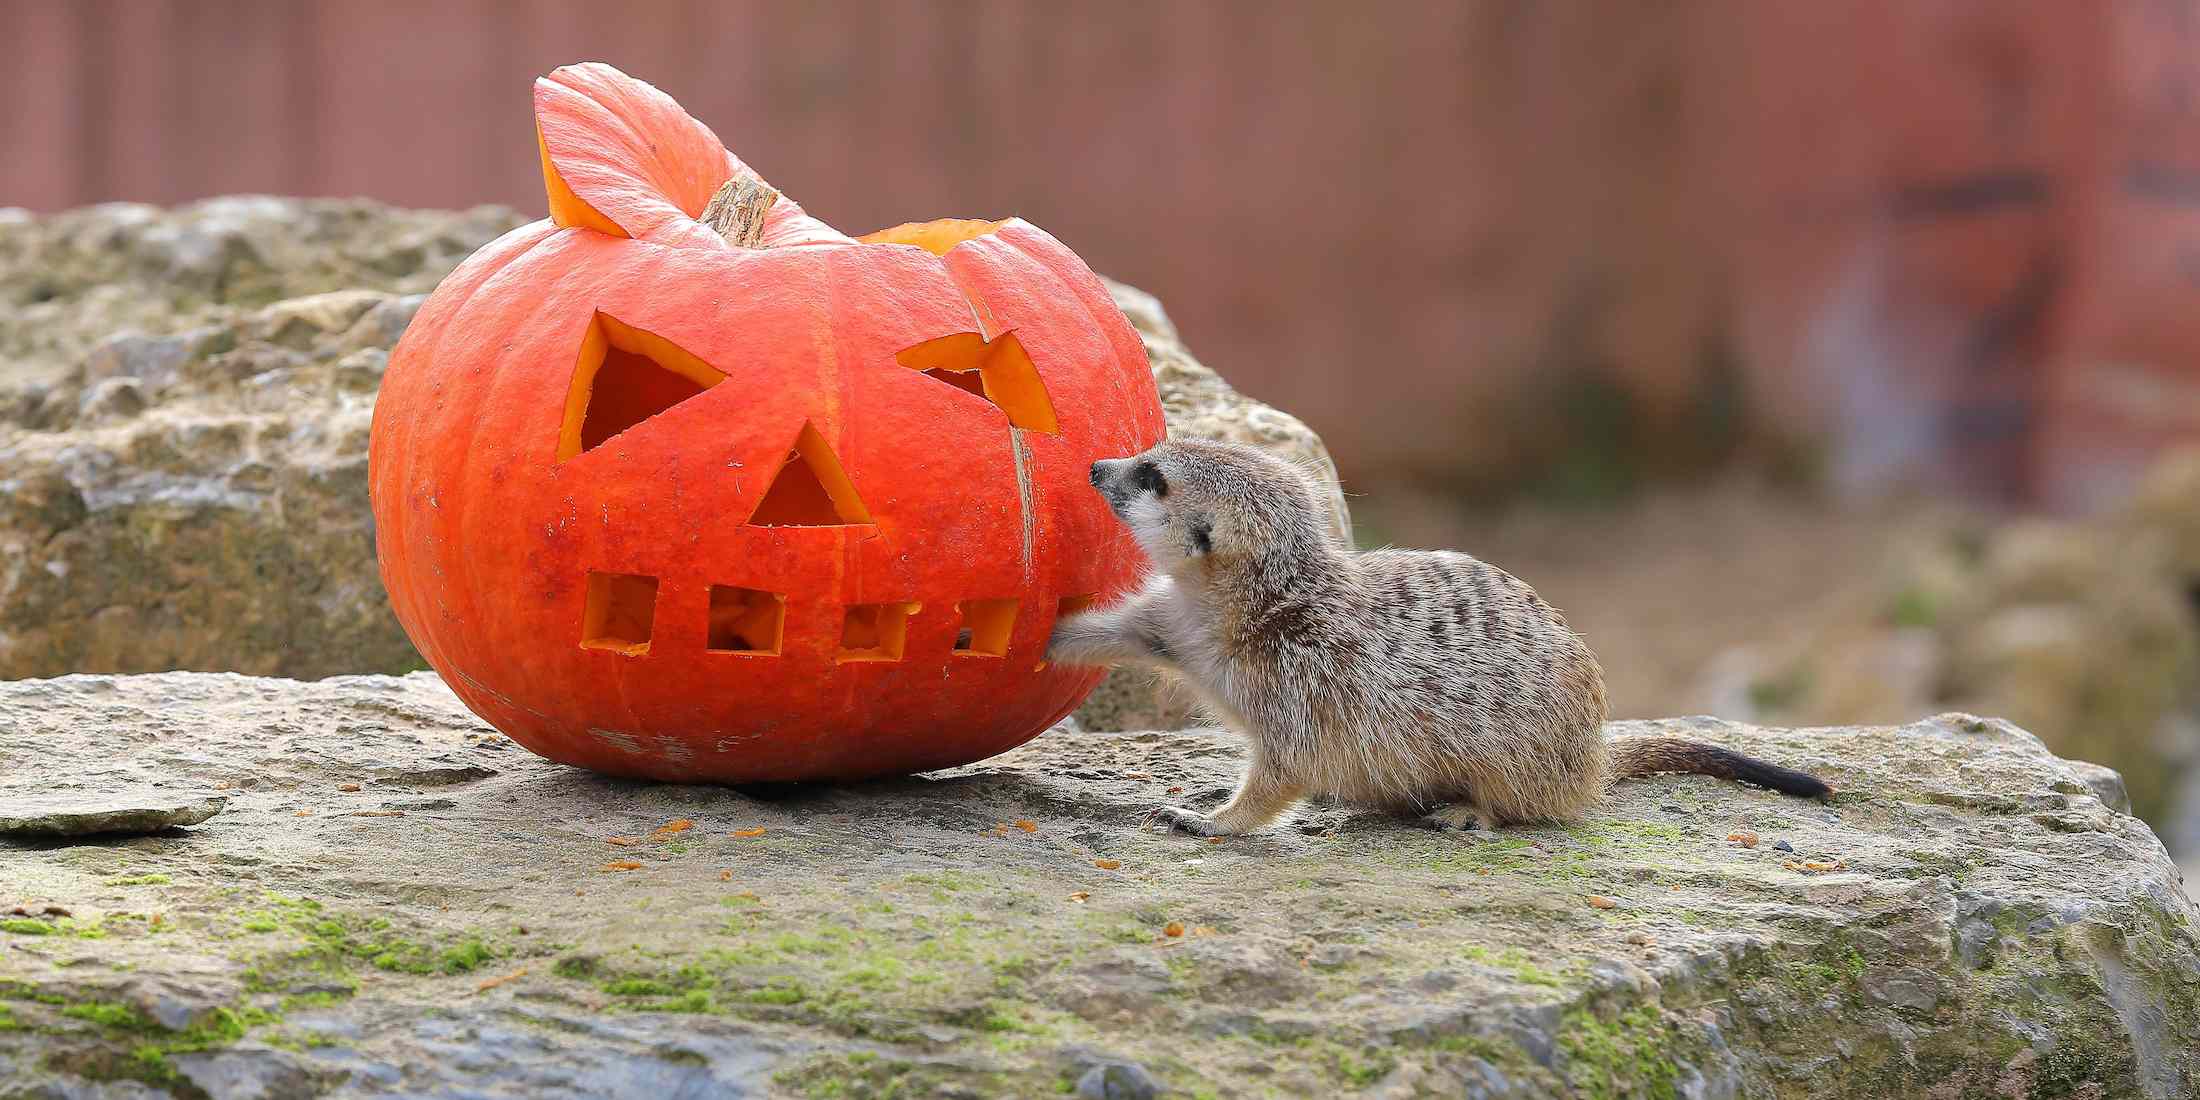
{"x": 1479, "y": 685}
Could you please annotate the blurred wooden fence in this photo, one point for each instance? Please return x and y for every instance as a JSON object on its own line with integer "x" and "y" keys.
{"x": 1468, "y": 241}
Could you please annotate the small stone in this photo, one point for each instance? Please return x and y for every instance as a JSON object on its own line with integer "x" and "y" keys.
{"x": 1782, "y": 846}
{"x": 1117, "y": 1081}
{"x": 154, "y": 360}
{"x": 117, "y": 398}
{"x": 436, "y": 777}
{"x": 298, "y": 322}
{"x": 1907, "y": 993}
{"x": 250, "y": 1074}
{"x": 179, "y": 1003}
{"x": 93, "y": 814}
{"x": 1673, "y": 808}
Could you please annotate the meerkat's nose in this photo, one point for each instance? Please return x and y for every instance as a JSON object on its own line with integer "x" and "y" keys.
{"x": 1099, "y": 472}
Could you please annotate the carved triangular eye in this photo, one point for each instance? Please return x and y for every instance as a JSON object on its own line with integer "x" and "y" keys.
{"x": 626, "y": 376}
{"x": 810, "y": 489}
{"x": 998, "y": 370}
{"x": 968, "y": 381}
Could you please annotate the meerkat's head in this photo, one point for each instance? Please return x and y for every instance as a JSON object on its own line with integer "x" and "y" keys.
{"x": 1200, "y": 501}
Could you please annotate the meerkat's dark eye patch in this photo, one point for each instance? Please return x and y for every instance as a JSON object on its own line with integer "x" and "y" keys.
{"x": 1146, "y": 477}
{"x": 1203, "y": 531}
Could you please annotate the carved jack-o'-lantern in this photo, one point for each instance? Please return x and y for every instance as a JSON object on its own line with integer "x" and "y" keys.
{"x": 749, "y": 499}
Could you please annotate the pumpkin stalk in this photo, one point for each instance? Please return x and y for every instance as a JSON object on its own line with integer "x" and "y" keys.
{"x": 737, "y": 210}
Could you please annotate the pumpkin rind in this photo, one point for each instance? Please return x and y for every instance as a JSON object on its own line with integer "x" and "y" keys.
{"x": 488, "y": 539}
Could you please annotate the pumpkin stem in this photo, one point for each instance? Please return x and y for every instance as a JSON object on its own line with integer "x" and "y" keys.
{"x": 737, "y": 210}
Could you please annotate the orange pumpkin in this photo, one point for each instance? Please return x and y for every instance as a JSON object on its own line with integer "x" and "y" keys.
{"x": 659, "y": 504}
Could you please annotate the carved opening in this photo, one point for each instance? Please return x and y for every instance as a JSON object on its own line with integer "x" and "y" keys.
{"x": 1003, "y": 370}
{"x": 875, "y": 631}
{"x": 810, "y": 489}
{"x": 968, "y": 381}
{"x": 626, "y": 376}
{"x": 986, "y": 627}
{"x": 746, "y": 621}
{"x": 622, "y": 607}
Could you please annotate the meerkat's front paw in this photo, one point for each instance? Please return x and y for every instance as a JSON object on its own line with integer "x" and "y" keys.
{"x": 1179, "y": 819}
{"x": 1456, "y": 817}
{"x": 1071, "y": 639}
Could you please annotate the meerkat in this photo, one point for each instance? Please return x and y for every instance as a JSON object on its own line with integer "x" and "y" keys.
{"x": 1423, "y": 682}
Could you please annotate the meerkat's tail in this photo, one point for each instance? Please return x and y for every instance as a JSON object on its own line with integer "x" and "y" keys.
{"x": 1635, "y": 757}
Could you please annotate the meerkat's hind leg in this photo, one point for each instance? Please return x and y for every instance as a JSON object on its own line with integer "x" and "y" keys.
{"x": 1263, "y": 796}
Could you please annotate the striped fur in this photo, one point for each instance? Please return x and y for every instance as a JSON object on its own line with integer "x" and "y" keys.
{"x": 1414, "y": 681}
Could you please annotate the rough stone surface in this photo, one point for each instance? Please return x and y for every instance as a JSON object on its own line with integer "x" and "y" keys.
{"x": 184, "y": 404}
{"x": 185, "y": 399}
{"x": 400, "y": 902}
{"x": 2083, "y": 630}
{"x": 29, "y": 814}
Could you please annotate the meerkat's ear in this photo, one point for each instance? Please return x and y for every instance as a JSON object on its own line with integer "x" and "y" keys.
{"x": 1201, "y": 531}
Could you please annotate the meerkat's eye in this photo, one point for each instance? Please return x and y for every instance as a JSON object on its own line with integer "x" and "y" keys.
{"x": 1146, "y": 477}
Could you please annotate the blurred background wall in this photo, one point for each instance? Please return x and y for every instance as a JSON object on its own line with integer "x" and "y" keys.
{"x": 1479, "y": 246}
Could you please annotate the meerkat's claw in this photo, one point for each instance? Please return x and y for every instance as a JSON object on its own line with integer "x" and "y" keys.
{"x": 1179, "y": 819}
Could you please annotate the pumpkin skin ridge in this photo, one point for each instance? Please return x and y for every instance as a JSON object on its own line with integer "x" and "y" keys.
{"x": 1124, "y": 338}
{"x": 556, "y": 247}
{"x": 1121, "y": 335}
{"x": 489, "y": 585}
{"x": 470, "y": 289}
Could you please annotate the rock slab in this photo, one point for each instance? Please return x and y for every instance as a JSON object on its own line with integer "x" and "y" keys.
{"x": 36, "y": 815}
{"x": 400, "y": 902}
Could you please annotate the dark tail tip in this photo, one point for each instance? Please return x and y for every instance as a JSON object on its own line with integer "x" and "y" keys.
{"x": 1758, "y": 773}
{"x": 1643, "y": 756}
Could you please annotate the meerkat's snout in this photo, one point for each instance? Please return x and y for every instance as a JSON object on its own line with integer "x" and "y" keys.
{"x": 1137, "y": 491}
{"x": 1121, "y": 480}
